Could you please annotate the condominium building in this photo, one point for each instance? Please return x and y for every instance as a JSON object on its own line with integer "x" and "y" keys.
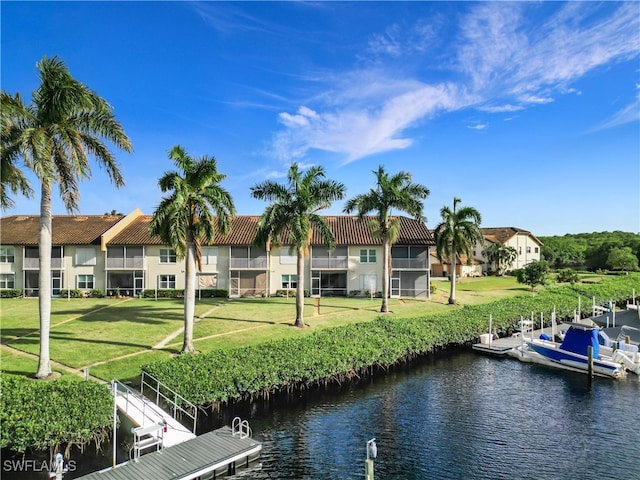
{"x": 116, "y": 253}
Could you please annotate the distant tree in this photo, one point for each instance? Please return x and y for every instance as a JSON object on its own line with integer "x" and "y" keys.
{"x": 65, "y": 125}
{"x": 184, "y": 220}
{"x": 396, "y": 191}
{"x": 533, "y": 274}
{"x": 622, "y": 259}
{"x": 500, "y": 255}
{"x": 113, "y": 212}
{"x": 293, "y": 212}
{"x": 458, "y": 233}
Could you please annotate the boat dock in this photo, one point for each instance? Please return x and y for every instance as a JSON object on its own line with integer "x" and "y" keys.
{"x": 214, "y": 453}
{"x": 502, "y": 346}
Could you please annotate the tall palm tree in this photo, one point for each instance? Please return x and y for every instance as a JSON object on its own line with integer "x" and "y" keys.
{"x": 11, "y": 177}
{"x": 293, "y": 212}
{"x": 457, "y": 234}
{"x": 65, "y": 125}
{"x": 184, "y": 219}
{"x": 396, "y": 191}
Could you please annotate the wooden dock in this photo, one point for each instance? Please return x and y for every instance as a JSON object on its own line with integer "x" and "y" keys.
{"x": 213, "y": 453}
{"x": 502, "y": 346}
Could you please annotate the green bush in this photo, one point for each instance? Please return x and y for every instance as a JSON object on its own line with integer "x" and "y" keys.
{"x": 42, "y": 415}
{"x": 567, "y": 275}
{"x": 10, "y": 293}
{"x": 96, "y": 293}
{"x": 332, "y": 354}
{"x": 214, "y": 293}
{"x": 72, "y": 293}
{"x": 283, "y": 292}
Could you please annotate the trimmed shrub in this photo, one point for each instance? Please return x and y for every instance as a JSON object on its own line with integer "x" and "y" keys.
{"x": 567, "y": 275}
{"x": 96, "y": 293}
{"x": 72, "y": 293}
{"x": 10, "y": 293}
{"x": 48, "y": 415}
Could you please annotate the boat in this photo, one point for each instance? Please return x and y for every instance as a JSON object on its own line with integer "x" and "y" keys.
{"x": 573, "y": 353}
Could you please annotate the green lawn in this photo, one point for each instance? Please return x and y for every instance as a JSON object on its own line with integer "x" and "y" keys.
{"x": 113, "y": 337}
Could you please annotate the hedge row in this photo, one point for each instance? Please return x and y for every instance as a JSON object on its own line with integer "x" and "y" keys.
{"x": 41, "y": 415}
{"x": 340, "y": 353}
{"x": 179, "y": 293}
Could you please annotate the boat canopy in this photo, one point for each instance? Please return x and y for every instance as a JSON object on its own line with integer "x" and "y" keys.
{"x": 578, "y": 339}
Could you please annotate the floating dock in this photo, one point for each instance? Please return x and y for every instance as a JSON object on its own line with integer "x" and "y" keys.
{"x": 214, "y": 453}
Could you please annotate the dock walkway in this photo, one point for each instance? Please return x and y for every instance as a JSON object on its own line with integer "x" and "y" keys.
{"x": 216, "y": 452}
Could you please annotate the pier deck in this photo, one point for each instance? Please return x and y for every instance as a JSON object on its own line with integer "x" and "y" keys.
{"x": 502, "y": 346}
{"x": 205, "y": 454}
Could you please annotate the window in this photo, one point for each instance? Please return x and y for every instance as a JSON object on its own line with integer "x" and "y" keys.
{"x": 166, "y": 281}
{"x": 7, "y": 280}
{"x": 519, "y": 250}
{"x": 367, "y": 255}
{"x": 7, "y": 255}
{"x": 209, "y": 255}
{"x": 167, "y": 255}
{"x": 536, "y": 250}
{"x": 85, "y": 256}
{"x": 368, "y": 283}
{"x": 528, "y": 249}
{"x": 288, "y": 256}
{"x": 289, "y": 281}
{"x": 85, "y": 282}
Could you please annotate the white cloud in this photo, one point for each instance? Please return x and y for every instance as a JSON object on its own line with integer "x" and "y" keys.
{"x": 506, "y": 57}
{"x": 478, "y": 126}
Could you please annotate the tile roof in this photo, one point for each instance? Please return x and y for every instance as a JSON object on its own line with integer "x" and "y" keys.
{"x": 66, "y": 229}
{"x": 503, "y": 234}
{"x": 348, "y": 230}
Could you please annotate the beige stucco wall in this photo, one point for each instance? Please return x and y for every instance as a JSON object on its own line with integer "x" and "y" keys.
{"x": 356, "y": 268}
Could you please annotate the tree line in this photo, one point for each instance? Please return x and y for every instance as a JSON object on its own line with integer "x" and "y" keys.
{"x": 66, "y": 124}
{"x": 593, "y": 251}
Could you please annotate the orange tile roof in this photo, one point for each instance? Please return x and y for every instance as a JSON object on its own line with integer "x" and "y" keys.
{"x": 66, "y": 229}
{"x": 503, "y": 234}
{"x": 348, "y": 230}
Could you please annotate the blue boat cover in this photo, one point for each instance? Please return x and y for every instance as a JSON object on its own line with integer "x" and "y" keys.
{"x": 577, "y": 340}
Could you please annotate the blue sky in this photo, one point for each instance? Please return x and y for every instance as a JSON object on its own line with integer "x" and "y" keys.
{"x": 527, "y": 111}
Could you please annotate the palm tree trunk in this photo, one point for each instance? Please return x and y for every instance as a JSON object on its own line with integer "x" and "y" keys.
{"x": 385, "y": 276}
{"x": 300, "y": 290}
{"x": 189, "y": 296}
{"x": 452, "y": 295}
{"x": 44, "y": 281}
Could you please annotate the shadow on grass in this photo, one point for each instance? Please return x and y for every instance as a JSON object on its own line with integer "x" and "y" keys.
{"x": 64, "y": 336}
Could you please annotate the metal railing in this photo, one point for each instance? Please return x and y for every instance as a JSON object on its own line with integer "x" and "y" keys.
{"x": 414, "y": 263}
{"x": 329, "y": 262}
{"x": 241, "y": 428}
{"x": 236, "y": 262}
{"x": 126, "y": 262}
{"x": 173, "y": 399}
{"x": 31, "y": 263}
{"x": 118, "y": 388}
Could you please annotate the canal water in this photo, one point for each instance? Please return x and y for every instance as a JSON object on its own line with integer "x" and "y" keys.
{"x": 459, "y": 415}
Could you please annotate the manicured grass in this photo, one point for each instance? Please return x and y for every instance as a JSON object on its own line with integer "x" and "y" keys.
{"x": 115, "y": 336}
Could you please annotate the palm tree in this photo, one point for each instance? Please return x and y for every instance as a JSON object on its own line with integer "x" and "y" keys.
{"x": 293, "y": 213}
{"x": 457, "y": 234}
{"x": 11, "y": 177}
{"x": 502, "y": 256}
{"x": 65, "y": 125}
{"x": 397, "y": 192}
{"x": 185, "y": 222}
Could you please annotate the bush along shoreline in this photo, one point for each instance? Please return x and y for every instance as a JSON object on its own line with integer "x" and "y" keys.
{"x": 40, "y": 415}
{"x": 338, "y": 354}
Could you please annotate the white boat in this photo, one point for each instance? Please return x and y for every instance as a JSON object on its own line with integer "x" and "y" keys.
{"x": 572, "y": 353}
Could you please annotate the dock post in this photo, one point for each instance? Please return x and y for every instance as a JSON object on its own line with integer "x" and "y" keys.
{"x": 590, "y": 362}
{"x": 372, "y": 452}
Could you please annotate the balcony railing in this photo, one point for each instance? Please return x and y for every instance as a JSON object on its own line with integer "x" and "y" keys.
{"x": 134, "y": 262}
{"x": 329, "y": 262}
{"x": 31, "y": 263}
{"x": 409, "y": 263}
{"x": 257, "y": 263}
